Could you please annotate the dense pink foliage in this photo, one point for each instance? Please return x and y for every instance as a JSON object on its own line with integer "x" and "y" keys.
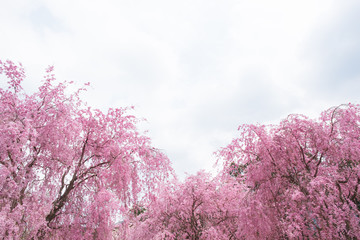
{"x": 71, "y": 172}
{"x": 302, "y": 176}
{"x": 295, "y": 180}
{"x": 199, "y": 208}
{"x": 68, "y": 171}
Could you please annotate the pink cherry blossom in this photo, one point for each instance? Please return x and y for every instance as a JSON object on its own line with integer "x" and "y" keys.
{"x": 67, "y": 171}
{"x": 301, "y": 176}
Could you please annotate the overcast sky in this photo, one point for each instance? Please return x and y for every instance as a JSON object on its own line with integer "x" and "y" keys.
{"x": 195, "y": 69}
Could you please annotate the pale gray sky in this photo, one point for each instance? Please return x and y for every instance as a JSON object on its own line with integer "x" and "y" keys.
{"x": 194, "y": 69}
